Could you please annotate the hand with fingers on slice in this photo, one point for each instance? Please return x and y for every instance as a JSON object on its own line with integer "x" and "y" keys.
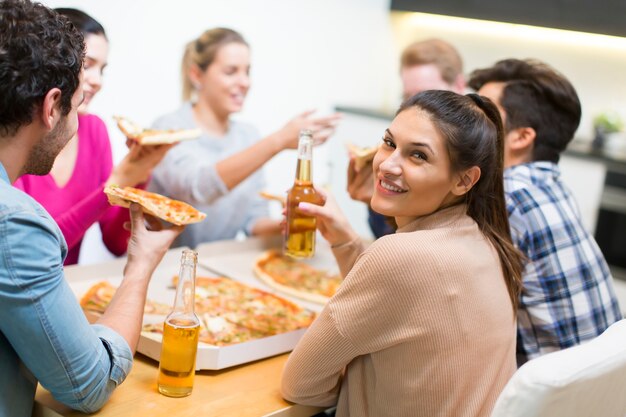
{"x": 360, "y": 181}
{"x": 322, "y": 128}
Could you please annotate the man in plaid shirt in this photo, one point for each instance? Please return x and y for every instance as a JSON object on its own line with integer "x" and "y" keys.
{"x": 568, "y": 296}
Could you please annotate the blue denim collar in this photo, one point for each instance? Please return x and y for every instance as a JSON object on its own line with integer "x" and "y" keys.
{"x": 4, "y": 175}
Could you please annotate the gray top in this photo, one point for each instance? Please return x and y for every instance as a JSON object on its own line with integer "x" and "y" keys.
{"x": 188, "y": 173}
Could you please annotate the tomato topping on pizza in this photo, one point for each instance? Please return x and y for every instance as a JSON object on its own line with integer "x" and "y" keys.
{"x": 154, "y": 136}
{"x": 230, "y": 312}
{"x": 98, "y": 297}
{"x": 173, "y": 211}
{"x": 296, "y": 278}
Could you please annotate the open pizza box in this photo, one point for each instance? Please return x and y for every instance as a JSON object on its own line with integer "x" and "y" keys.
{"x": 236, "y": 260}
{"x": 209, "y": 357}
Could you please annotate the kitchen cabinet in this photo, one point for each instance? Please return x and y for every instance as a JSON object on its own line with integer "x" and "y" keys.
{"x": 605, "y": 17}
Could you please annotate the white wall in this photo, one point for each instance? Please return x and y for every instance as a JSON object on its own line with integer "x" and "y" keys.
{"x": 316, "y": 54}
{"x": 305, "y": 54}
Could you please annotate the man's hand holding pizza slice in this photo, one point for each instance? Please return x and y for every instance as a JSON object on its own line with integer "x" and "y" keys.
{"x": 172, "y": 211}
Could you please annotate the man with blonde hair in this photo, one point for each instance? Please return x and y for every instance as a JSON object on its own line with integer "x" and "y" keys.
{"x": 432, "y": 64}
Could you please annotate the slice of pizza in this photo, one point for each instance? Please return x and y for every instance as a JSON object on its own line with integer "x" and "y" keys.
{"x": 296, "y": 278}
{"x": 362, "y": 156}
{"x": 173, "y": 211}
{"x": 154, "y": 136}
{"x": 269, "y": 196}
{"x": 98, "y": 297}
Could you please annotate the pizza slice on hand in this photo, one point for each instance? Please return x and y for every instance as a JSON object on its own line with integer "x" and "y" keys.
{"x": 154, "y": 136}
{"x": 362, "y": 156}
{"x": 173, "y": 211}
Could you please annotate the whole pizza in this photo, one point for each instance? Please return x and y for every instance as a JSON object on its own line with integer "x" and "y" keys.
{"x": 230, "y": 312}
{"x": 296, "y": 278}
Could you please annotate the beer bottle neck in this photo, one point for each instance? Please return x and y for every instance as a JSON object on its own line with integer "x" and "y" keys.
{"x": 185, "y": 290}
{"x": 305, "y": 155}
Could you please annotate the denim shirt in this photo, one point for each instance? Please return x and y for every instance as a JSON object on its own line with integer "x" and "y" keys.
{"x": 44, "y": 335}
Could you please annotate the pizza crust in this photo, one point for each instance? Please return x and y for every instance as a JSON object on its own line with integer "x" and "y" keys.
{"x": 269, "y": 196}
{"x": 268, "y": 280}
{"x": 99, "y": 296}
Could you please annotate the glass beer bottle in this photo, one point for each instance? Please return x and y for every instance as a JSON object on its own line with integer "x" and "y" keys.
{"x": 180, "y": 334}
{"x": 300, "y": 233}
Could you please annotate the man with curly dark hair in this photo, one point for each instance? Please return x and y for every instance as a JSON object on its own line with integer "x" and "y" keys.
{"x": 44, "y": 336}
{"x": 568, "y": 296}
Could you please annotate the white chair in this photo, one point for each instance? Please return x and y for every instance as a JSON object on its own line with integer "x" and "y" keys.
{"x": 583, "y": 381}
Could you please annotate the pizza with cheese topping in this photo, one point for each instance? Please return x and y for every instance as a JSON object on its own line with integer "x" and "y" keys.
{"x": 154, "y": 136}
{"x": 170, "y": 210}
{"x": 296, "y": 278}
{"x": 98, "y": 297}
{"x": 230, "y": 312}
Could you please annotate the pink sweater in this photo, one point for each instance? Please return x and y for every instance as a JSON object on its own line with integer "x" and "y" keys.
{"x": 422, "y": 325}
{"x": 81, "y": 202}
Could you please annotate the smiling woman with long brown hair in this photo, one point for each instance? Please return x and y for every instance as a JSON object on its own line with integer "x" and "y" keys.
{"x": 424, "y": 322}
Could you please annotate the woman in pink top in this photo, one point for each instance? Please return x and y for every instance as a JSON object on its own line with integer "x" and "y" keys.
{"x": 73, "y": 190}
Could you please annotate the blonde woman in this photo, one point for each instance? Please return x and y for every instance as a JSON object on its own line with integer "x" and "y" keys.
{"x": 220, "y": 173}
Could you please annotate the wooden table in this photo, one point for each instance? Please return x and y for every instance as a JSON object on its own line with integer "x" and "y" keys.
{"x": 251, "y": 389}
{"x": 246, "y": 390}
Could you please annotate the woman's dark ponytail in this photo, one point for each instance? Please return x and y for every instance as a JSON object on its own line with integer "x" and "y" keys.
{"x": 472, "y": 128}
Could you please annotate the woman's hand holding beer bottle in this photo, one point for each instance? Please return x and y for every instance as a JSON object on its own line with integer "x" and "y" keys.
{"x": 331, "y": 222}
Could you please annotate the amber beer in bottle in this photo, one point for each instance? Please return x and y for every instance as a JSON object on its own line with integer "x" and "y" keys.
{"x": 300, "y": 233}
{"x": 180, "y": 334}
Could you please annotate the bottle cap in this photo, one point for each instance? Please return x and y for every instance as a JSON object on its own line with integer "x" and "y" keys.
{"x": 189, "y": 256}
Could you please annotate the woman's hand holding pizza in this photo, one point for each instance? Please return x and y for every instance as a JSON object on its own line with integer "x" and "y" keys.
{"x": 137, "y": 165}
{"x": 331, "y": 222}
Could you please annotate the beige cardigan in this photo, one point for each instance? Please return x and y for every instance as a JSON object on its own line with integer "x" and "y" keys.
{"x": 421, "y": 326}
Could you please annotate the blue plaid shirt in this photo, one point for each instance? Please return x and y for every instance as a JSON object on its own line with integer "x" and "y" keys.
{"x": 568, "y": 295}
